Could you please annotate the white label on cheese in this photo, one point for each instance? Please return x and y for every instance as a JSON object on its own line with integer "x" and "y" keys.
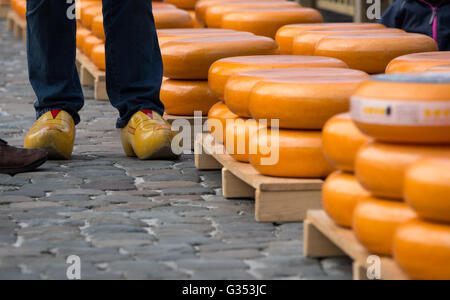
{"x": 400, "y": 113}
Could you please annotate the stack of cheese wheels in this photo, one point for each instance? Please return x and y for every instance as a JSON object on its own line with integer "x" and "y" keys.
{"x": 422, "y": 246}
{"x": 406, "y": 116}
{"x": 286, "y": 34}
{"x": 418, "y": 62}
{"x": 372, "y": 53}
{"x": 341, "y": 191}
{"x": 19, "y": 7}
{"x": 300, "y": 106}
{"x": 188, "y": 57}
{"x": 227, "y": 76}
{"x": 305, "y": 43}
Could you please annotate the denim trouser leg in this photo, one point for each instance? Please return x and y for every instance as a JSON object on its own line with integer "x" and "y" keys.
{"x": 51, "y": 57}
{"x": 134, "y": 67}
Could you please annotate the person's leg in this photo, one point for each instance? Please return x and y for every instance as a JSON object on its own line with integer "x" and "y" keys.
{"x": 134, "y": 67}
{"x": 51, "y": 48}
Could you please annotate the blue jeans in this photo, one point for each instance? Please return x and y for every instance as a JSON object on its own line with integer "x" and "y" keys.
{"x": 134, "y": 67}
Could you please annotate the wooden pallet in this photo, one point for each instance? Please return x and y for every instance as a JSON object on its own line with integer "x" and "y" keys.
{"x": 90, "y": 75}
{"x": 277, "y": 199}
{"x": 17, "y": 25}
{"x": 4, "y": 9}
{"x": 323, "y": 238}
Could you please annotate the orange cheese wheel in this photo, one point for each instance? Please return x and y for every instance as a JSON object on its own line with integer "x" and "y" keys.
{"x": 423, "y": 250}
{"x": 286, "y": 34}
{"x": 267, "y": 21}
{"x": 88, "y": 15}
{"x": 443, "y": 68}
{"x": 183, "y": 4}
{"x": 372, "y": 53}
{"x": 89, "y": 43}
{"x": 375, "y": 222}
{"x": 196, "y": 23}
{"x": 342, "y": 141}
{"x": 215, "y": 13}
{"x": 222, "y": 70}
{"x": 404, "y": 108}
{"x": 238, "y": 137}
{"x": 427, "y": 189}
{"x": 192, "y": 58}
{"x": 82, "y": 34}
{"x": 239, "y": 87}
{"x": 168, "y": 38}
{"x": 340, "y": 195}
{"x": 162, "y": 5}
{"x": 381, "y": 168}
{"x": 217, "y": 121}
{"x": 97, "y": 27}
{"x": 172, "y": 18}
{"x": 305, "y": 43}
{"x": 98, "y": 56}
{"x": 418, "y": 62}
{"x": 183, "y": 98}
{"x": 291, "y": 153}
{"x": 304, "y": 102}
{"x": 21, "y": 9}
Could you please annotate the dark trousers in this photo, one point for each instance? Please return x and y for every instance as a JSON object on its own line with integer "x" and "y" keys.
{"x": 133, "y": 59}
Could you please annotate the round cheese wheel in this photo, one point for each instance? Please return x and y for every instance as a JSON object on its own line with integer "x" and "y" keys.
{"x": 172, "y": 18}
{"x": 222, "y": 70}
{"x": 267, "y": 21}
{"x": 375, "y": 222}
{"x": 418, "y": 62}
{"x": 97, "y": 27}
{"x": 183, "y": 4}
{"x": 89, "y": 43}
{"x": 21, "y": 9}
{"x": 381, "y": 168}
{"x": 372, "y": 53}
{"x": 286, "y": 34}
{"x": 162, "y": 5}
{"x": 98, "y": 56}
{"x": 340, "y": 195}
{"x": 443, "y": 68}
{"x": 183, "y": 98}
{"x": 88, "y": 15}
{"x": 82, "y": 34}
{"x": 305, "y": 43}
{"x": 427, "y": 189}
{"x": 342, "y": 141}
{"x": 217, "y": 121}
{"x": 215, "y": 13}
{"x": 196, "y": 23}
{"x": 289, "y": 153}
{"x": 423, "y": 250}
{"x": 238, "y": 137}
{"x": 168, "y": 38}
{"x": 304, "y": 102}
{"x": 404, "y": 108}
{"x": 192, "y": 58}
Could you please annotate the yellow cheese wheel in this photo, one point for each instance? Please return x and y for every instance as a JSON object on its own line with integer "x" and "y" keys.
{"x": 98, "y": 56}
{"x": 375, "y": 222}
{"x": 372, "y": 53}
{"x": 304, "y": 102}
{"x": 88, "y": 14}
{"x": 192, "y": 58}
{"x": 443, "y": 68}
{"x": 238, "y": 138}
{"x": 196, "y": 23}
{"x": 207, "y": 33}
{"x": 381, "y": 168}
{"x": 82, "y": 34}
{"x": 222, "y": 70}
{"x": 286, "y": 34}
{"x": 172, "y": 18}
{"x": 267, "y": 21}
{"x": 289, "y": 153}
{"x": 183, "y": 4}
{"x": 305, "y": 43}
{"x": 340, "y": 195}
{"x": 89, "y": 43}
{"x": 423, "y": 250}
{"x": 215, "y": 13}
{"x": 342, "y": 141}
{"x": 427, "y": 189}
{"x": 217, "y": 121}
{"x": 21, "y": 9}
{"x": 418, "y": 62}
{"x": 183, "y": 98}
{"x": 404, "y": 108}
{"x": 97, "y": 27}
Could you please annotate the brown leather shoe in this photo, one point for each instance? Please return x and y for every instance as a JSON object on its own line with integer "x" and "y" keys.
{"x": 15, "y": 160}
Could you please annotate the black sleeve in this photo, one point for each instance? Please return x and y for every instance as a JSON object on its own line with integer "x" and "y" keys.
{"x": 392, "y": 17}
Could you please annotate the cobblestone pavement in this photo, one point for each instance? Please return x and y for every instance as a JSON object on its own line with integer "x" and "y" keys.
{"x": 128, "y": 219}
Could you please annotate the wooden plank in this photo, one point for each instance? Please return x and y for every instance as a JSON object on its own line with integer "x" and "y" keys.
{"x": 322, "y": 235}
{"x": 90, "y": 75}
{"x": 17, "y": 25}
{"x": 235, "y": 188}
{"x": 4, "y": 9}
